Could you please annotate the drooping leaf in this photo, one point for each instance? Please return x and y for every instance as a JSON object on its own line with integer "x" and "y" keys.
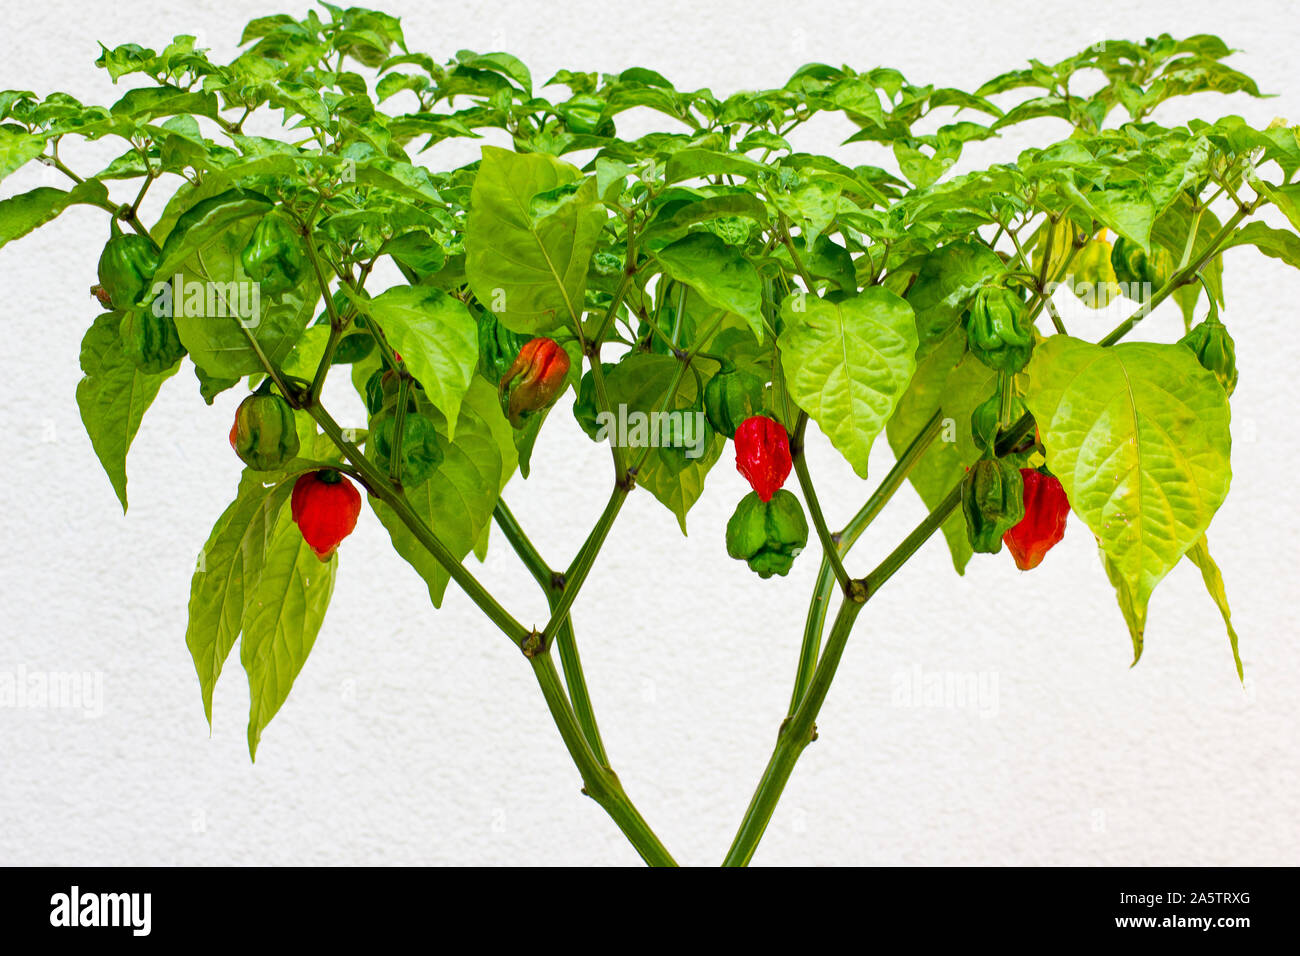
{"x": 113, "y": 397}
{"x": 1138, "y": 436}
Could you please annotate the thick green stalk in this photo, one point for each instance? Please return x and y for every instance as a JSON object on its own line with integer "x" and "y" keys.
{"x": 796, "y": 733}
{"x": 599, "y": 782}
{"x": 816, "y": 619}
{"x": 565, "y": 639}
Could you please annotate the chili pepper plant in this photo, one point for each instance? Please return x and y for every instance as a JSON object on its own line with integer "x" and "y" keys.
{"x": 709, "y": 277}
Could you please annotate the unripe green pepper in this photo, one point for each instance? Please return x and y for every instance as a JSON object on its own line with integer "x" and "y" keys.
{"x": 997, "y": 330}
{"x": 497, "y": 346}
{"x": 767, "y": 535}
{"x": 992, "y": 499}
{"x": 985, "y": 420}
{"x": 685, "y": 438}
{"x": 126, "y": 268}
{"x": 1140, "y": 273}
{"x": 264, "y": 434}
{"x": 274, "y": 256}
{"x": 421, "y": 447}
{"x": 583, "y": 114}
{"x": 150, "y": 340}
{"x": 1215, "y": 350}
{"x": 730, "y": 397}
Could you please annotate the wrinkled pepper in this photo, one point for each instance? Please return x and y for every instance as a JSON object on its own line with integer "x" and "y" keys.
{"x": 1215, "y": 350}
{"x": 421, "y": 447}
{"x": 274, "y": 256}
{"x": 264, "y": 434}
{"x": 325, "y": 507}
{"x": 150, "y": 340}
{"x": 730, "y": 397}
{"x": 1140, "y": 273}
{"x": 992, "y": 499}
{"x": 1046, "y": 510}
{"x": 126, "y": 268}
{"x": 767, "y": 534}
{"x": 997, "y": 330}
{"x": 763, "y": 454}
{"x": 533, "y": 380}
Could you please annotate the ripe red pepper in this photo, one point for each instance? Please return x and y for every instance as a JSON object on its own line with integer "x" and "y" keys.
{"x": 533, "y": 380}
{"x": 763, "y": 454}
{"x": 325, "y": 507}
{"x": 1046, "y": 508}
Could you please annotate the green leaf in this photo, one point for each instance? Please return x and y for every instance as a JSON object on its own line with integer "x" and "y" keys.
{"x": 639, "y": 384}
{"x": 458, "y": 498}
{"x": 1138, "y": 435}
{"x": 1199, "y": 554}
{"x": 847, "y": 364}
{"x": 437, "y": 339}
{"x": 113, "y": 397}
{"x": 528, "y": 263}
{"x": 1275, "y": 243}
{"x": 217, "y": 588}
{"x": 18, "y": 148}
{"x": 284, "y": 606}
{"x": 220, "y": 312}
{"x": 20, "y": 214}
{"x": 719, "y": 274}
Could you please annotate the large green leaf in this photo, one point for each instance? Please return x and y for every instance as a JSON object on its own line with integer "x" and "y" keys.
{"x": 458, "y": 498}
{"x": 284, "y": 606}
{"x": 532, "y": 228}
{"x": 213, "y": 313}
{"x": 1138, "y": 435}
{"x": 437, "y": 339}
{"x": 217, "y": 589}
{"x": 847, "y": 364}
{"x": 719, "y": 274}
{"x": 113, "y": 397}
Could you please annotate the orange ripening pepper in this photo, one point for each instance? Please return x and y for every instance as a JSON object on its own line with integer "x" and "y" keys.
{"x": 533, "y": 380}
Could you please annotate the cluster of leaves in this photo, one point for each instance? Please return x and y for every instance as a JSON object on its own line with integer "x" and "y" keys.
{"x": 711, "y": 244}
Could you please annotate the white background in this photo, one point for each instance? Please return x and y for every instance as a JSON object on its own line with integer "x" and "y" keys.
{"x": 415, "y": 736}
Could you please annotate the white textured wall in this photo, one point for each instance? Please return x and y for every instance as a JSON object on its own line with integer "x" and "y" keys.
{"x": 416, "y": 736}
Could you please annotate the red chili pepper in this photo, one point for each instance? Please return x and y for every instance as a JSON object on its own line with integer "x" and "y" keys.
{"x": 534, "y": 379}
{"x": 763, "y": 454}
{"x": 1046, "y": 508}
{"x": 325, "y": 507}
